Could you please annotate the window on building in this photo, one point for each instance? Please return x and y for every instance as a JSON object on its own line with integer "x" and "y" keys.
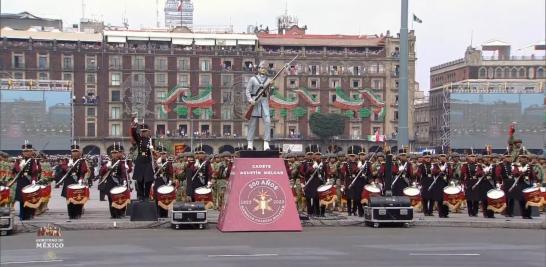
{"x": 334, "y": 83}
{"x": 115, "y": 95}
{"x": 139, "y": 78}
{"x": 18, "y": 75}
{"x": 377, "y": 84}
{"x": 332, "y": 98}
{"x": 18, "y": 61}
{"x": 160, "y": 63}
{"x": 355, "y": 83}
{"x": 115, "y": 79}
{"x": 227, "y": 64}
{"x": 138, "y": 62}
{"x": 314, "y": 69}
{"x": 43, "y": 75}
{"x": 91, "y": 112}
{"x": 248, "y": 65}
{"x": 521, "y": 73}
{"x": 184, "y": 79}
{"x": 498, "y": 73}
{"x": 205, "y": 80}
{"x": 226, "y": 130}
{"x": 161, "y": 79}
{"x": 183, "y": 63}
{"x": 540, "y": 73}
{"x": 115, "y": 62}
{"x": 375, "y": 116}
{"x": 227, "y": 112}
{"x": 183, "y": 129}
{"x": 67, "y": 76}
{"x": 68, "y": 62}
{"x": 204, "y": 65}
{"x": 376, "y": 129}
{"x": 115, "y": 129}
{"x": 115, "y": 113}
{"x": 227, "y": 80}
{"x": 292, "y": 83}
{"x": 314, "y": 83}
{"x": 227, "y": 97}
{"x": 335, "y": 70}
{"x": 205, "y": 129}
{"x": 43, "y": 62}
{"x": 395, "y": 115}
{"x": 91, "y": 78}
{"x": 91, "y": 132}
{"x": 90, "y": 63}
{"x": 160, "y": 95}
{"x": 160, "y": 130}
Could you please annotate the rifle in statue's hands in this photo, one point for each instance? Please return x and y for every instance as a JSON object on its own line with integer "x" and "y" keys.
{"x": 265, "y": 90}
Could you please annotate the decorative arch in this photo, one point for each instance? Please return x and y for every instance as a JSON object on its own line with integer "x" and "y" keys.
{"x": 521, "y": 72}
{"x": 506, "y": 72}
{"x": 498, "y": 72}
{"x": 541, "y": 73}
{"x": 514, "y": 73}
{"x": 482, "y": 73}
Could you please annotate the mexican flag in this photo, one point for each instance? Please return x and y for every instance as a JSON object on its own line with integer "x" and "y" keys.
{"x": 376, "y": 137}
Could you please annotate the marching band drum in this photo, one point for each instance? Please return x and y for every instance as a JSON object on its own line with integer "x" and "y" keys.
{"x": 370, "y": 190}
{"x": 121, "y": 196}
{"x": 77, "y": 194}
{"x": 414, "y": 195}
{"x": 453, "y": 197}
{"x": 32, "y": 196}
{"x": 166, "y": 195}
{"x": 496, "y": 200}
{"x": 532, "y": 196}
{"x": 327, "y": 194}
{"x": 204, "y": 194}
{"x": 4, "y": 196}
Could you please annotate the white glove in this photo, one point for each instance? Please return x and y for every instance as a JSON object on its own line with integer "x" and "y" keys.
{"x": 109, "y": 164}
{"x": 535, "y": 185}
{"x": 315, "y": 165}
{"x": 359, "y": 164}
{"x": 196, "y": 165}
{"x": 135, "y": 120}
{"x": 251, "y": 101}
{"x": 401, "y": 168}
{"x": 525, "y": 168}
{"x": 442, "y": 168}
{"x": 498, "y": 185}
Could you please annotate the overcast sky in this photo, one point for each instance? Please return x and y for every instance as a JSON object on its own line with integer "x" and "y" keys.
{"x": 443, "y": 36}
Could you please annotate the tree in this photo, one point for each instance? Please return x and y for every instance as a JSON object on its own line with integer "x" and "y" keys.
{"x": 327, "y": 125}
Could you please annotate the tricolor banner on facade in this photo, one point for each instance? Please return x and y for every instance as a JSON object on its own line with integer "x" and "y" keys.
{"x": 376, "y": 138}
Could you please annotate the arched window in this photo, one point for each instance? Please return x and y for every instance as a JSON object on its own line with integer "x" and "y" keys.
{"x": 498, "y": 73}
{"x": 521, "y": 73}
{"x": 482, "y": 74}
{"x": 540, "y": 73}
{"x": 506, "y": 73}
{"x": 514, "y": 73}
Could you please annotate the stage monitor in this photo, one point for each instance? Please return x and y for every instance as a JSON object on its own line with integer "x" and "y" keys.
{"x": 480, "y": 119}
{"x": 44, "y": 118}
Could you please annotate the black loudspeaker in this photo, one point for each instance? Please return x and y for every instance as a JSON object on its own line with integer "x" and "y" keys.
{"x": 393, "y": 201}
{"x": 143, "y": 210}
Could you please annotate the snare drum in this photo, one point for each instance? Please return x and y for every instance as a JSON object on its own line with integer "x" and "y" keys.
{"x": 32, "y": 196}
{"x": 46, "y": 192}
{"x": 496, "y": 200}
{"x": 327, "y": 194}
{"x": 368, "y": 192}
{"x": 4, "y": 195}
{"x": 121, "y": 196}
{"x": 543, "y": 194}
{"x": 532, "y": 197}
{"x": 166, "y": 195}
{"x": 453, "y": 197}
{"x": 203, "y": 194}
{"x": 77, "y": 194}
{"x": 414, "y": 195}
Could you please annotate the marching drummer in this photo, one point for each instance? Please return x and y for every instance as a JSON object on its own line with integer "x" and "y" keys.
{"x": 164, "y": 176}
{"x": 198, "y": 173}
{"x": 426, "y": 179}
{"x": 404, "y": 172}
{"x": 76, "y": 171}
{"x": 525, "y": 178}
{"x": 116, "y": 175}
{"x": 487, "y": 184}
{"x": 26, "y": 170}
{"x": 471, "y": 173}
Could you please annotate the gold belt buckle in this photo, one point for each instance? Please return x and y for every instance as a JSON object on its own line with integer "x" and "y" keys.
{"x": 25, "y": 173}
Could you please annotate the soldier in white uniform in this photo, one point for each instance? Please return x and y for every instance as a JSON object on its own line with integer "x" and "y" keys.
{"x": 261, "y": 107}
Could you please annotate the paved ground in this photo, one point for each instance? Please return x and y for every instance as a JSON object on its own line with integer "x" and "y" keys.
{"x": 97, "y": 217}
{"x": 315, "y": 246}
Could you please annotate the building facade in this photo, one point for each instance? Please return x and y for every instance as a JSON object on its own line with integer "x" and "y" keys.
{"x": 476, "y": 73}
{"x": 24, "y": 21}
{"x": 193, "y": 83}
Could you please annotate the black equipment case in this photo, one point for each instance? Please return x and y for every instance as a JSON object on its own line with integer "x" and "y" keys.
{"x": 391, "y": 210}
{"x": 188, "y": 213}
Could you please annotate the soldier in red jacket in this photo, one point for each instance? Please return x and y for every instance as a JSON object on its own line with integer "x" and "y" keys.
{"x": 27, "y": 168}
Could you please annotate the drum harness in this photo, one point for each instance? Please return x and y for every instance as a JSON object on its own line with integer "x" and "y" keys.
{"x": 435, "y": 179}
{"x": 105, "y": 176}
{"x": 198, "y": 170}
{"x": 19, "y": 173}
{"x": 74, "y": 165}
{"x": 400, "y": 174}
{"x": 517, "y": 179}
{"x": 313, "y": 175}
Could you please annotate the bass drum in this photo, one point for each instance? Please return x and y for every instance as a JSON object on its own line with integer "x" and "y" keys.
{"x": 77, "y": 194}
{"x": 453, "y": 197}
{"x": 166, "y": 195}
{"x": 32, "y": 196}
{"x": 532, "y": 196}
{"x": 204, "y": 194}
{"x": 121, "y": 196}
{"x": 368, "y": 192}
{"x": 4, "y": 195}
{"x": 414, "y": 195}
{"x": 496, "y": 200}
{"x": 327, "y": 194}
